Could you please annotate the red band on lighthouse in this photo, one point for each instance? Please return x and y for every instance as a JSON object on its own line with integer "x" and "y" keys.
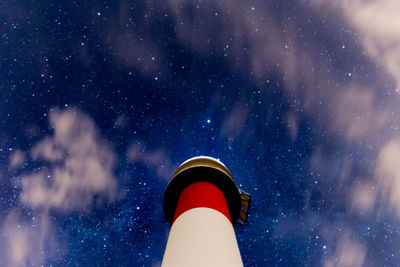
{"x": 202, "y": 195}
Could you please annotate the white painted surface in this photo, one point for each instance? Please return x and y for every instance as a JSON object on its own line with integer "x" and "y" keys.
{"x": 202, "y": 237}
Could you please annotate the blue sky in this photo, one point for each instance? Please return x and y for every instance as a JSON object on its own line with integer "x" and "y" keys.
{"x": 101, "y": 101}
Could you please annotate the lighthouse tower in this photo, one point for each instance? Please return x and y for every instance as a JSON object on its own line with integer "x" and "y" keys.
{"x": 202, "y": 202}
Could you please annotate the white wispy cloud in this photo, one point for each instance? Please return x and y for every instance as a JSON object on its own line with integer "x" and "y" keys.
{"x": 17, "y": 159}
{"x": 234, "y": 122}
{"x": 158, "y": 159}
{"x": 349, "y": 252}
{"x": 377, "y": 22}
{"x": 77, "y": 173}
{"x": 376, "y": 25}
{"x": 26, "y": 241}
{"x": 387, "y": 176}
{"x": 258, "y": 41}
{"x": 82, "y": 166}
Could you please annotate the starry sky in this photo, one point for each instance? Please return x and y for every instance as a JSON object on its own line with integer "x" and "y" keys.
{"x": 100, "y": 101}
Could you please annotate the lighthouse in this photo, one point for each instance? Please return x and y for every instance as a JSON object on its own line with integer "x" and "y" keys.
{"x": 202, "y": 203}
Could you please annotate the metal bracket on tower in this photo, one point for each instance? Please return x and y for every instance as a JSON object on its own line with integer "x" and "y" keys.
{"x": 245, "y": 200}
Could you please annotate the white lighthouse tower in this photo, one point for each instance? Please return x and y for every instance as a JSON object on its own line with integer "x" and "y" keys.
{"x": 202, "y": 203}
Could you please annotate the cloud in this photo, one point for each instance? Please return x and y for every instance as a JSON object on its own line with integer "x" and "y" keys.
{"x": 81, "y": 166}
{"x": 292, "y": 124}
{"x": 387, "y": 174}
{"x": 129, "y": 45}
{"x": 76, "y": 172}
{"x": 261, "y": 43}
{"x": 234, "y": 122}
{"x": 349, "y": 253}
{"x": 364, "y": 197}
{"x": 47, "y": 150}
{"x": 250, "y": 37}
{"x": 16, "y": 241}
{"x": 158, "y": 160}
{"x": 17, "y": 159}
{"x": 357, "y": 113}
{"x": 377, "y": 24}
{"x": 23, "y": 242}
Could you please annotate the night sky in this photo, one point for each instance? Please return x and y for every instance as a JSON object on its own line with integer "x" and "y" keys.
{"x": 101, "y": 101}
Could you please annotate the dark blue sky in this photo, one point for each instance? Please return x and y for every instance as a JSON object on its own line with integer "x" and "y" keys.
{"x": 101, "y": 101}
